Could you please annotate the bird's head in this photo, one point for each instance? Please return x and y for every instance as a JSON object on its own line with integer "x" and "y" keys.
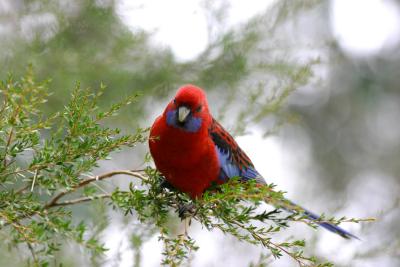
{"x": 188, "y": 110}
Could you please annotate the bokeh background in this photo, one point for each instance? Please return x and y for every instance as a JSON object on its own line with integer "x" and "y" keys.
{"x": 309, "y": 88}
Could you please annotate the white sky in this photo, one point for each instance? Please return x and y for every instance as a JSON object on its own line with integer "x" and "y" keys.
{"x": 362, "y": 28}
{"x": 182, "y": 24}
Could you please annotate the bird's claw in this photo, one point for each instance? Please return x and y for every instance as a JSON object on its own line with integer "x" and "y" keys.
{"x": 164, "y": 184}
{"x": 186, "y": 210}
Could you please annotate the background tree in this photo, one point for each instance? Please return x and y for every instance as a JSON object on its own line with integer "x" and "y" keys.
{"x": 281, "y": 72}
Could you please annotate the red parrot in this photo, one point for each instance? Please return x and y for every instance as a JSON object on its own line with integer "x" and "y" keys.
{"x": 193, "y": 151}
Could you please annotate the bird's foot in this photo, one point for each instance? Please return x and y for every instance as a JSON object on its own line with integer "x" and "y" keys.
{"x": 186, "y": 210}
{"x": 164, "y": 184}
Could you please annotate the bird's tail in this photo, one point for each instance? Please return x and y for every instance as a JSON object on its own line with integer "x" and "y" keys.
{"x": 294, "y": 208}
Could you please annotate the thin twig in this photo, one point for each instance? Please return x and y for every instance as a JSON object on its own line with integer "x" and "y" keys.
{"x": 80, "y": 200}
{"x": 22, "y": 189}
{"x": 134, "y": 173}
{"x": 34, "y": 179}
{"x": 54, "y": 201}
{"x": 32, "y": 252}
{"x": 16, "y": 172}
{"x": 32, "y": 168}
{"x": 20, "y": 228}
{"x": 7, "y": 146}
{"x": 268, "y": 243}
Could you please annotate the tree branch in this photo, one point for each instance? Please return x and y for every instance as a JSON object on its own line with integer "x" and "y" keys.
{"x": 80, "y": 200}
{"x": 134, "y": 173}
{"x": 54, "y": 201}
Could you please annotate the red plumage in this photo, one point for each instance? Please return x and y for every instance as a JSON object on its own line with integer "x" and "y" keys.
{"x": 198, "y": 151}
{"x": 192, "y": 151}
{"x": 238, "y": 157}
{"x": 188, "y": 160}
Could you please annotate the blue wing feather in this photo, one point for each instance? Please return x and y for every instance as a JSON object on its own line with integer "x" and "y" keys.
{"x": 235, "y": 163}
{"x": 229, "y": 169}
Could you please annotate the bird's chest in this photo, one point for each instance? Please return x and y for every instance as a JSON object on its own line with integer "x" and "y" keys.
{"x": 188, "y": 162}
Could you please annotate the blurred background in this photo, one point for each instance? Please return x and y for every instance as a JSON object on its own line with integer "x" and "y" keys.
{"x": 308, "y": 87}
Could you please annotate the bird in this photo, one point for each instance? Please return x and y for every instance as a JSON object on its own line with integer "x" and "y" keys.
{"x": 193, "y": 151}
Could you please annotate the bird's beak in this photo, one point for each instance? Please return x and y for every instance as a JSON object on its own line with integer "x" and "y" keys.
{"x": 183, "y": 112}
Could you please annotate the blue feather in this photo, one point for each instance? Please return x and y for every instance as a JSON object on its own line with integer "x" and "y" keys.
{"x": 229, "y": 169}
{"x": 328, "y": 226}
{"x": 235, "y": 163}
{"x": 192, "y": 124}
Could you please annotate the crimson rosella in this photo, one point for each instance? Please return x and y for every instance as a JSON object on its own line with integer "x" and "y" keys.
{"x": 193, "y": 151}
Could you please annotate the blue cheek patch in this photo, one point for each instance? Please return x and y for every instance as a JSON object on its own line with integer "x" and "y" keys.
{"x": 192, "y": 125}
{"x": 171, "y": 118}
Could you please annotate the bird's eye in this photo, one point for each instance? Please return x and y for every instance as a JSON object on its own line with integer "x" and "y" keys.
{"x": 198, "y": 109}
{"x": 174, "y": 101}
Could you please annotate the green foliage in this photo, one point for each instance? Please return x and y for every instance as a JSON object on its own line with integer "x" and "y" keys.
{"x": 233, "y": 208}
{"x": 47, "y": 159}
{"x": 44, "y": 158}
{"x": 85, "y": 40}
{"x": 46, "y": 162}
